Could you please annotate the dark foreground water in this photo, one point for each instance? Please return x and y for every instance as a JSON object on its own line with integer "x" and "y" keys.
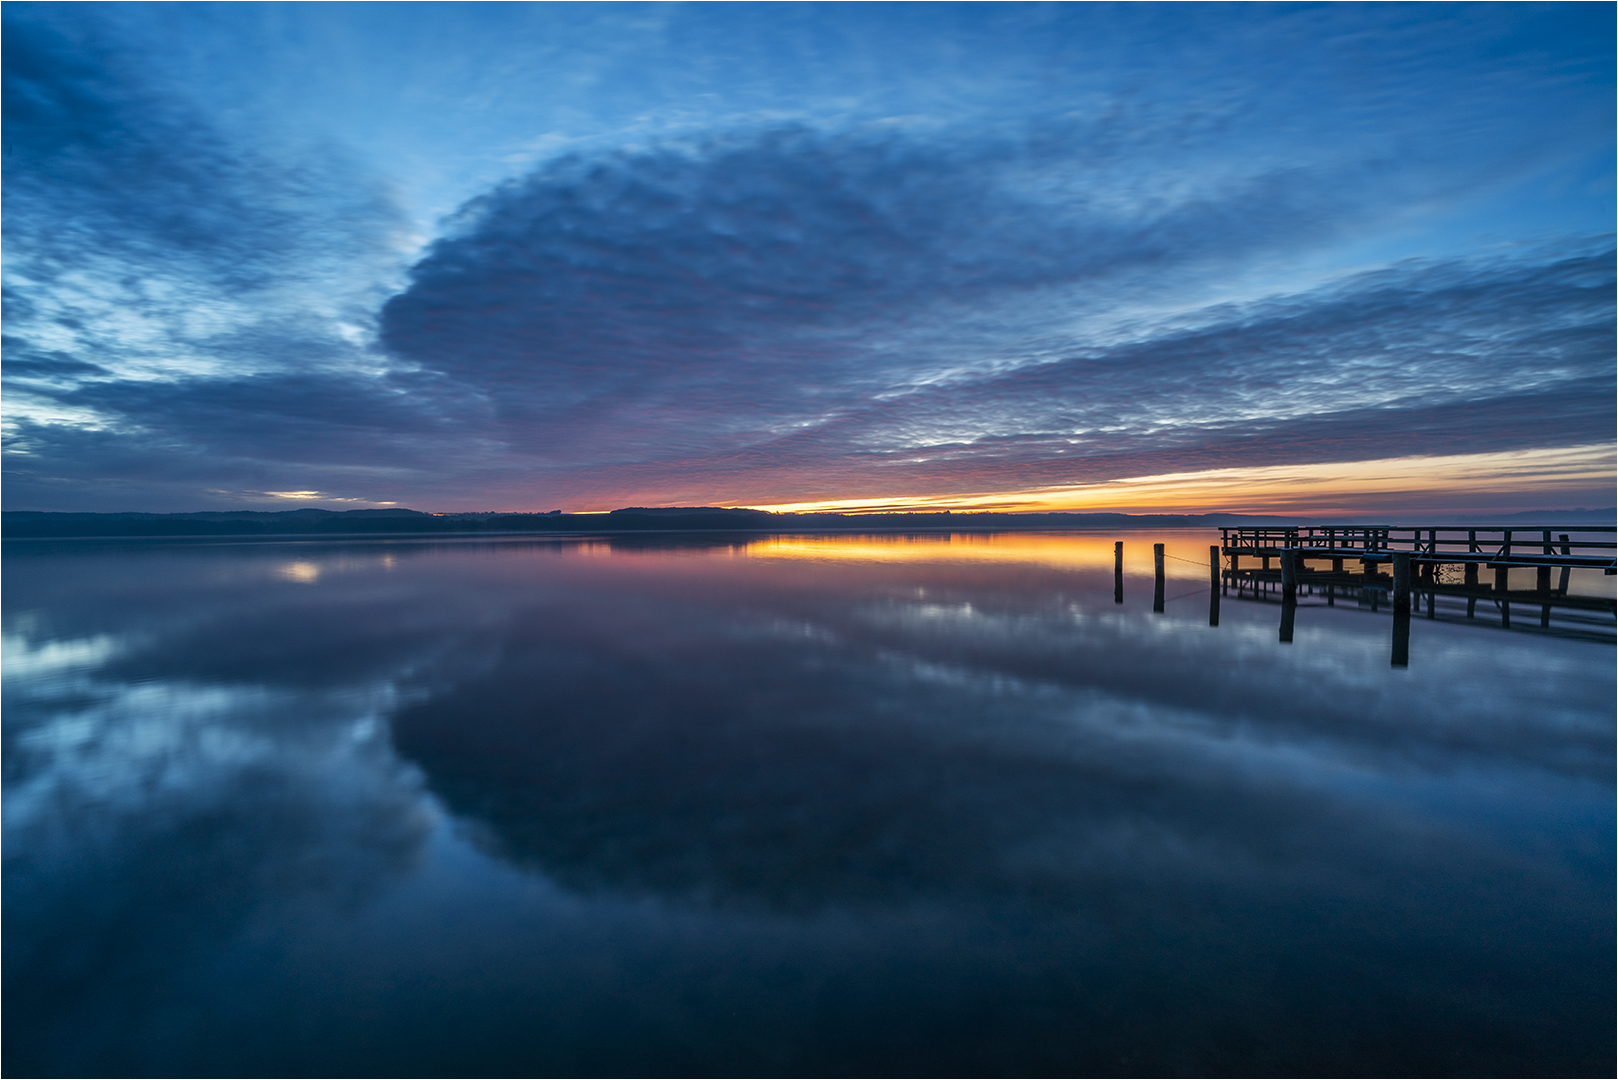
{"x": 885, "y": 805}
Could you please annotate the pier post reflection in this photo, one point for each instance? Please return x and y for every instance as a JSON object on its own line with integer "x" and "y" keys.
{"x": 1289, "y": 610}
{"x": 1157, "y": 589}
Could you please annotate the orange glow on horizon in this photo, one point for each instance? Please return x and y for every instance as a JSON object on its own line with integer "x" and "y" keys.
{"x": 1335, "y": 488}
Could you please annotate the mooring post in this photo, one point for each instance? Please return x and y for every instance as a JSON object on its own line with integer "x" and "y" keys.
{"x": 1401, "y": 582}
{"x": 1471, "y": 578}
{"x": 1213, "y": 586}
{"x": 1502, "y": 579}
{"x": 1157, "y": 565}
{"x": 1542, "y": 585}
{"x": 1118, "y": 572}
{"x": 1561, "y": 586}
{"x": 1289, "y": 573}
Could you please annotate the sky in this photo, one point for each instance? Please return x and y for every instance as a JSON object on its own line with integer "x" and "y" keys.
{"x": 1316, "y": 259}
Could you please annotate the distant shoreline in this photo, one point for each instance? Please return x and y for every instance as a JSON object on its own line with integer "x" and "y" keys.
{"x": 317, "y": 524}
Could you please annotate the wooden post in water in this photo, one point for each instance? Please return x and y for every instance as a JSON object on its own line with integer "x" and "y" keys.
{"x": 1561, "y": 586}
{"x": 1471, "y": 577}
{"x": 1542, "y": 583}
{"x": 1289, "y": 574}
{"x": 1401, "y": 582}
{"x": 1213, "y": 586}
{"x": 1502, "y": 578}
{"x": 1118, "y": 572}
{"x": 1401, "y": 609}
{"x": 1429, "y": 572}
{"x": 1289, "y": 610}
{"x": 1157, "y": 590}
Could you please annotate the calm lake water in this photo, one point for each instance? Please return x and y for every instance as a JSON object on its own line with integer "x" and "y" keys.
{"x": 914, "y": 805}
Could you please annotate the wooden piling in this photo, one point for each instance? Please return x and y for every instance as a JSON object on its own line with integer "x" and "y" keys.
{"x": 1289, "y": 611}
{"x": 1401, "y": 638}
{"x": 1471, "y": 574}
{"x": 1561, "y": 586}
{"x": 1401, "y": 582}
{"x": 1118, "y": 572}
{"x": 1502, "y": 574}
{"x": 1157, "y": 566}
{"x": 1289, "y": 574}
{"x": 1213, "y": 586}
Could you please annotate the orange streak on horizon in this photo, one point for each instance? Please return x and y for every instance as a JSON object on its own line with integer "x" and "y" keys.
{"x": 1354, "y": 487}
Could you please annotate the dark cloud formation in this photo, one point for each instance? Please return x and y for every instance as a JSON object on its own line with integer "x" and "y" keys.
{"x": 739, "y": 287}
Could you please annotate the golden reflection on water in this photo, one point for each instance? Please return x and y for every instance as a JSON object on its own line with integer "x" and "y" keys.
{"x": 1186, "y": 549}
{"x": 303, "y": 572}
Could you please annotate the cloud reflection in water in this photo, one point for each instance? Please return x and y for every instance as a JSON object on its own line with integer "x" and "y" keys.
{"x": 990, "y": 815}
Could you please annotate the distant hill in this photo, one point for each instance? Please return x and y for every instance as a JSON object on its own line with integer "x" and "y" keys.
{"x": 29, "y": 524}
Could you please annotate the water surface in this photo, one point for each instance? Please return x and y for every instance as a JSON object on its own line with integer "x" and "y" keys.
{"x": 826, "y": 805}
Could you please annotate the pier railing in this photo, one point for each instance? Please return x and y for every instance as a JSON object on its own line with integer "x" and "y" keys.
{"x": 1583, "y": 546}
{"x": 1435, "y": 561}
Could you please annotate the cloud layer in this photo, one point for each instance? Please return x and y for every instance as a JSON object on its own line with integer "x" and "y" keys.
{"x": 771, "y": 310}
{"x": 788, "y": 315}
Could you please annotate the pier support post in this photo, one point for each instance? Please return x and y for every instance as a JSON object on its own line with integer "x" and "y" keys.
{"x": 1502, "y": 574}
{"x": 1118, "y": 572}
{"x": 1542, "y": 585}
{"x": 1213, "y": 586}
{"x": 1471, "y": 580}
{"x": 1289, "y": 574}
{"x": 1401, "y": 609}
{"x": 1157, "y": 566}
{"x": 1401, "y": 582}
{"x": 1561, "y": 586}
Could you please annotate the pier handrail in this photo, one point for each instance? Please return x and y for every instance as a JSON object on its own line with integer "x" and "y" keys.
{"x": 1567, "y": 545}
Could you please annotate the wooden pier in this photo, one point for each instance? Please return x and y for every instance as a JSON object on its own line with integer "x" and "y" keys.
{"x": 1348, "y": 561}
